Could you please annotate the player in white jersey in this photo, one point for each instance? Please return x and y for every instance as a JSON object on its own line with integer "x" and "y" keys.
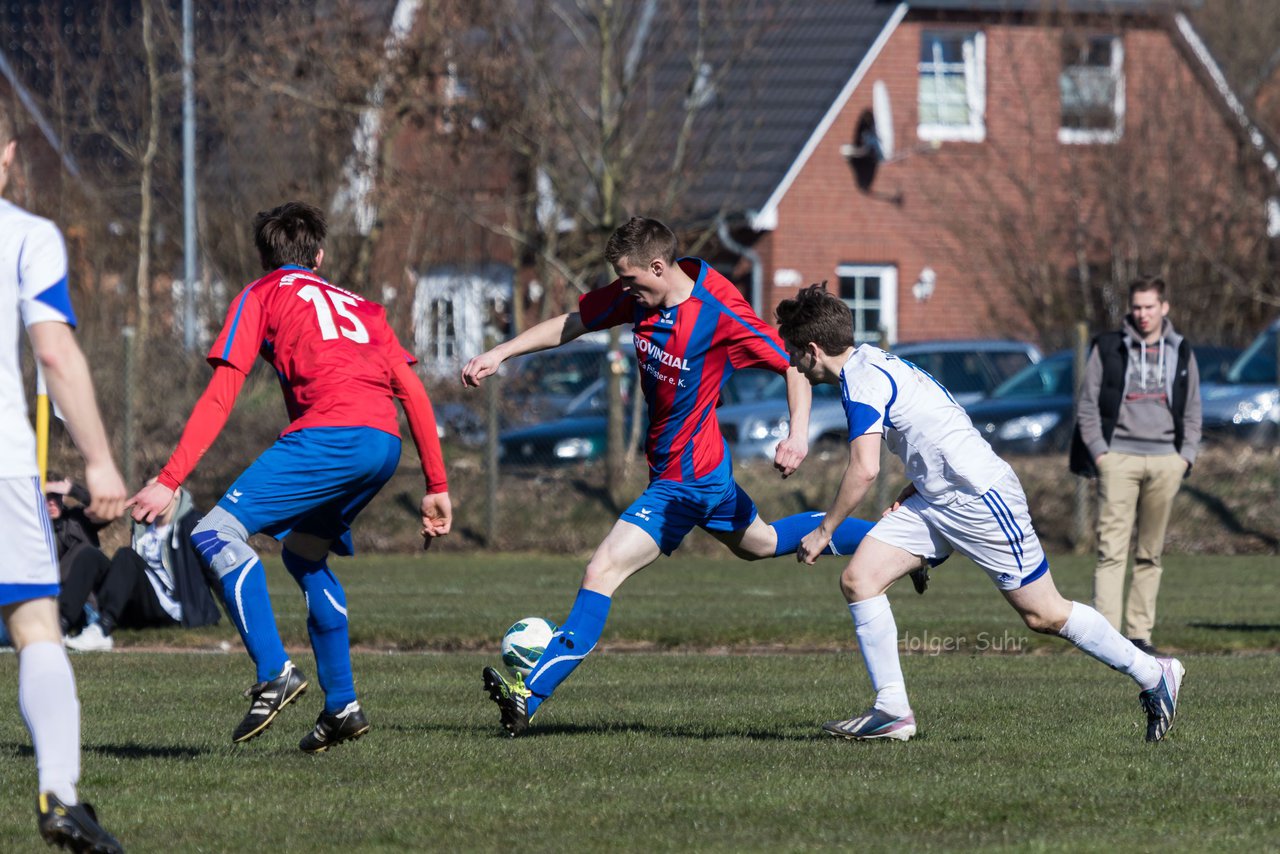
{"x": 961, "y": 496}
{"x": 33, "y": 292}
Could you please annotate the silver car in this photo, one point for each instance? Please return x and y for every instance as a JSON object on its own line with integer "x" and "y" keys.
{"x": 968, "y": 369}
{"x": 1247, "y": 405}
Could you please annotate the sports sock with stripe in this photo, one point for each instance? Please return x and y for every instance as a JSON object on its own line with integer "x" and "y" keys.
{"x": 1094, "y": 636}
{"x": 327, "y": 626}
{"x": 244, "y": 591}
{"x": 878, "y": 639}
{"x": 576, "y": 638}
{"x": 792, "y": 529}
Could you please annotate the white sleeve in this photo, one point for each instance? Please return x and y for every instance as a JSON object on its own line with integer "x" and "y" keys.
{"x": 42, "y": 277}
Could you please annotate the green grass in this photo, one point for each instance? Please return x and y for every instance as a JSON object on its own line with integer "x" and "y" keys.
{"x": 689, "y": 750}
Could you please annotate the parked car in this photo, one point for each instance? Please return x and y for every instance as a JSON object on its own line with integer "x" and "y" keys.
{"x": 1247, "y": 404}
{"x": 1033, "y": 411}
{"x": 755, "y": 428}
{"x": 970, "y": 369}
{"x": 1215, "y": 361}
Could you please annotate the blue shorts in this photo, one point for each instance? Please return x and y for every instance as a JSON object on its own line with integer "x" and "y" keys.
{"x": 668, "y": 510}
{"x": 313, "y": 481}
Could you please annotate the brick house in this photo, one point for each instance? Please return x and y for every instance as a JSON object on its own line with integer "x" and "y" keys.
{"x": 1015, "y": 122}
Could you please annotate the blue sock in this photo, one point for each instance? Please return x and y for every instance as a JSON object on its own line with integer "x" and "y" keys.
{"x": 327, "y": 625}
{"x": 792, "y": 529}
{"x": 576, "y": 638}
{"x": 244, "y": 591}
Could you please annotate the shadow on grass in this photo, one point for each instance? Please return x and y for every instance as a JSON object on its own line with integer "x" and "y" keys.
{"x": 796, "y": 732}
{"x": 120, "y": 751}
{"x": 1237, "y": 627}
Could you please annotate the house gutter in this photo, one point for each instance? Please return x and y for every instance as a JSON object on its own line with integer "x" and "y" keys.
{"x": 744, "y": 251}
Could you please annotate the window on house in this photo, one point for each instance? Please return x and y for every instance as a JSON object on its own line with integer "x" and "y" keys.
{"x": 871, "y": 292}
{"x": 444, "y": 332}
{"x": 953, "y": 86}
{"x": 1092, "y": 88}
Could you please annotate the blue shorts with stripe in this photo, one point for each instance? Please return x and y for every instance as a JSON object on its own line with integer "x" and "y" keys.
{"x": 668, "y": 510}
{"x": 314, "y": 481}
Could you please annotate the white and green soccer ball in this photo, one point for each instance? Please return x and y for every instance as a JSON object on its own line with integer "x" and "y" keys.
{"x": 524, "y": 643}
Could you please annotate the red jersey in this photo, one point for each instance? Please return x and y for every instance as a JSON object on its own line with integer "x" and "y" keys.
{"x": 333, "y": 351}
{"x": 686, "y": 353}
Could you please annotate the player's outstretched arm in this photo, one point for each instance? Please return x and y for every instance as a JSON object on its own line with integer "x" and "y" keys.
{"x": 71, "y": 385}
{"x": 863, "y": 468}
{"x": 792, "y": 450}
{"x": 206, "y": 421}
{"x": 437, "y": 510}
{"x": 549, "y": 333}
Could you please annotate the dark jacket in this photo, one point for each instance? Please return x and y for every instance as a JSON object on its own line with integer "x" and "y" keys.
{"x": 74, "y": 527}
{"x": 191, "y": 578}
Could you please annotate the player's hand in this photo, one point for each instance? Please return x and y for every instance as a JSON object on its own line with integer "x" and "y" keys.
{"x": 812, "y": 545}
{"x": 106, "y": 491}
{"x": 437, "y": 516}
{"x": 790, "y": 453}
{"x": 150, "y": 502}
{"x": 484, "y": 365}
{"x": 907, "y": 491}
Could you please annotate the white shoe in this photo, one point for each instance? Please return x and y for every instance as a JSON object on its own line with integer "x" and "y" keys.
{"x": 91, "y": 639}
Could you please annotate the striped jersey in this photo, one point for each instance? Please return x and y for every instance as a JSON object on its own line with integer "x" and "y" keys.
{"x": 945, "y": 456}
{"x": 685, "y": 354}
{"x": 332, "y": 350}
{"x": 33, "y": 289}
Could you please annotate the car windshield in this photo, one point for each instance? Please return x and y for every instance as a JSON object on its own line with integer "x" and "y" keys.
{"x": 1049, "y": 378}
{"x": 1258, "y": 364}
{"x": 566, "y": 372}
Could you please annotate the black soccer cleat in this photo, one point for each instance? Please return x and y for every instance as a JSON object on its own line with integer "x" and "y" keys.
{"x": 74, "y": 827}
{"x": 511, "y": 698}
{"x": 347, "y": 725}
{"x": 268, "y": 699}
{"x": 920, "y": 579}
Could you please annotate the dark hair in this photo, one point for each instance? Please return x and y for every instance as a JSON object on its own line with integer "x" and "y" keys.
{"x": 818, "y": 316}
{"x": 640, "y": 241}
{"x": 8, "y": 132}
{"x": 1147, "y": 283}
{"x": 290, "y": 234}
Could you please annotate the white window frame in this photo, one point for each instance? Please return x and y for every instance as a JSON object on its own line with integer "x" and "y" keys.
{"x": 888, "y": 302}
{"x": 1100, "y": 136}
{"x": 975, "y": 76}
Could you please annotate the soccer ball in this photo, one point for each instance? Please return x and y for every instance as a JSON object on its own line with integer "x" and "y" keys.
{"x": 524, "y": 643}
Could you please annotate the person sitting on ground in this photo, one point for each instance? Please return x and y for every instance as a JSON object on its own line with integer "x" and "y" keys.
{"x": 75, "y": 534}
{"x": 156, "y": 581}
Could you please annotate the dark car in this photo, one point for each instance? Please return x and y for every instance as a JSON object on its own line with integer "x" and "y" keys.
{"x": 1032, "y": 412}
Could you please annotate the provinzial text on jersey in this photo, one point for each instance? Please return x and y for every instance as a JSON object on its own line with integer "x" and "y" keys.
{"x": 650, "y": 350}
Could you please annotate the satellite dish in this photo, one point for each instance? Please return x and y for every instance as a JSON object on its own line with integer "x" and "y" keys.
{"x": 872, "y": 138}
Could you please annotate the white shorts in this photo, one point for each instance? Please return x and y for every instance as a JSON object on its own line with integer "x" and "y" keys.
{"x": 994, "y": 531}
{"x": 29, "y": 569}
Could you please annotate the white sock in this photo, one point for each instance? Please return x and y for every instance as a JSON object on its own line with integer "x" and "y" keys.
{"x": 1094, "y": 636}
{"x": 878, "y": 640}
{"x": 47, "y": 697}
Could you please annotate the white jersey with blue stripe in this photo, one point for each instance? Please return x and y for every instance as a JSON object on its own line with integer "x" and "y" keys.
{"x": 945, "y": 456}
{"x": 33, "y": 289}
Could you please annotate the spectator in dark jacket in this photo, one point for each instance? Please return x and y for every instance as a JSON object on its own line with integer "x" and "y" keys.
{"x": 158, "y": 580}
{"x": 76, "y": 536}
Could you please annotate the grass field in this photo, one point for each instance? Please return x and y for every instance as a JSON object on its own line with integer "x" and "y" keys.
{"x": 694, "y": 728}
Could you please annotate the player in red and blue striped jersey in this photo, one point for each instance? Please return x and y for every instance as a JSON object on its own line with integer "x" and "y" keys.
{"x": 691, "y": 329}
{"x": 341, "y": 370}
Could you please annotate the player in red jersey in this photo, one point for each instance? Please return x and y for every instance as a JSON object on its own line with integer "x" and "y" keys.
{"x": 691, "y": 329}
{"x": 341, "y": 368}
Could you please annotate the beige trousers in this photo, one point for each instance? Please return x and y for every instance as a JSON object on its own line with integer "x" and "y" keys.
{"x": 1132, "y": 487}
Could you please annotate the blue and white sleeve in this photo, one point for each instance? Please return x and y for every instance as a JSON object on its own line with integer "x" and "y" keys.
{"x": 866, "y": 400}
{"x": 42, "y": 277}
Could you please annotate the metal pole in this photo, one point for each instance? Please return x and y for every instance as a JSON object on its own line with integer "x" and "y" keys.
{"x": 188, "y": 178}
{"x": 129, "y": 336}
{"x": 1081, "y": 517}
{"x": 493, "y": 390}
